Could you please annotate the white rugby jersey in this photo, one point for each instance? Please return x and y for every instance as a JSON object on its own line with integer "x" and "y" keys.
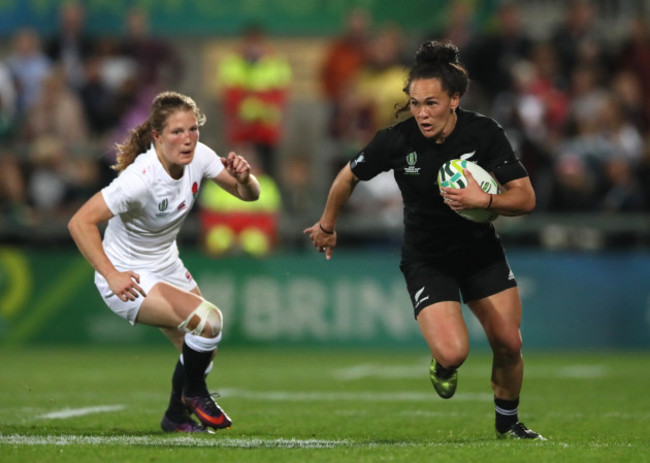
{"x": 150, "y": 207}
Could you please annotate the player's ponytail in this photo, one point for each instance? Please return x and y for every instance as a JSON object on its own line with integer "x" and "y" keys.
{"x": 437, "y": 53}
{"x": 137, "y": 142}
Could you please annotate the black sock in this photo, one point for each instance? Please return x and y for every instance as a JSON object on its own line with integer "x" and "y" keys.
{"x": 506, "y": 413}
{"x": 176, "y": 409}
{"x": 442, "y": 372}
{"x": 195, "y": 365}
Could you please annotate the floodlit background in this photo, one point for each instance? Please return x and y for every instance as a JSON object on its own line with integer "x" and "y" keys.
{"x": 569, "y": 81}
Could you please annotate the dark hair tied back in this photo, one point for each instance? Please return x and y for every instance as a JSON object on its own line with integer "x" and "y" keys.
{"x": 437, "y": 60}
{"x": 437, "y": 53}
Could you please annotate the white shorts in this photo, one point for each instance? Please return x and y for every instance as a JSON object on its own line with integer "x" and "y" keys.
{"x": 176, "y": 274}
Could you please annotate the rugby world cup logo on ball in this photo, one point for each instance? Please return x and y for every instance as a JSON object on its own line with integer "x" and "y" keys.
{"x": 452, "y": 175}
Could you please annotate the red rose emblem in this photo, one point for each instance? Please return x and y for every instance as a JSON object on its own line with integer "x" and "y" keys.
{"x": 195, "y": 189}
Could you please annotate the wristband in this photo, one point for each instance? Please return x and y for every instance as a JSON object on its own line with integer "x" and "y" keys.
{"x": 490, "y": 203}
{"x": 329, "y": 232}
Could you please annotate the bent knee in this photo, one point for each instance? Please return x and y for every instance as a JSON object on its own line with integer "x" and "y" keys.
{"x": 508, "y": 349}
{"x": 452, "y": 355}
{"x": 206, "y": 320}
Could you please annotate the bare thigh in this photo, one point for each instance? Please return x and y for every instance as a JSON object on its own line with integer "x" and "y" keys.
{"x": 175, "y": 335}
{"x": 445, "y": 332}
{"x": 167, "y": 306}
{"x": 500, "y": 316}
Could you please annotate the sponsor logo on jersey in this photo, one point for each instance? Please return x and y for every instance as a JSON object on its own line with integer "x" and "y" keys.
{"x": 181, "y": 206}
{"x": 466, "y": 156}
{"x": 411, "y": 160}
{"x": 162, "y": 207}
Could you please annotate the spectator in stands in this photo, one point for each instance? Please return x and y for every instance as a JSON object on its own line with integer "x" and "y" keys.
{"x": 99, "y": 101}
{"x": 491, "y": 56}
{"x": 622, "y": 190}
{"x": 255, "y": 82}
{"x": 57, "y": 112}
{"x": 367, "y": 103}
{"x": 628, "y": 89}
{"x": 57, "y": 137}
{"x": 634, "y": 57}
{"x": 575, "y": 188}
{"x": 70, "y": 45}
{"x": 576, "y": 40}
{"x": 29, "y": 67}
{"x": 344, "y": 58}
{"x": 377, "y": 86}
{"x": 159, "y": 64}
{"x": 534, "y": 113}
{"x": 458, "y": 24}
{"x": 588, "y": 95}
{"x": 625, "y": 138}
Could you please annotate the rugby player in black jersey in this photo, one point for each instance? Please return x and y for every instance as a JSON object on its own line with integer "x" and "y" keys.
{"x": 447, "y": 259}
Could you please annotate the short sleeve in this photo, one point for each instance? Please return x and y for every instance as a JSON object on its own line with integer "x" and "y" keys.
{"x": 210, "y": 161}
{"x": 503, "y": 161}
{"x": 124, "y": 193}
{"x": 374, "y": 158}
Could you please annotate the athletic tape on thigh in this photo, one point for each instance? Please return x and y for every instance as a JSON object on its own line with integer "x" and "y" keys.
{"x": 208, "y": 314}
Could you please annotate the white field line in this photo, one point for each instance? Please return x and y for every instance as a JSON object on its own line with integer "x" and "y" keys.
{"x": 284, "y": 396}
{"x": 256, "y": 443}
{"x": 72, "y": 412}
{"x": 181, "y": 441}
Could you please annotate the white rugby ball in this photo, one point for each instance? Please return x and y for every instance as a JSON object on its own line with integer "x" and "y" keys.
{"x": 451, "y": 175}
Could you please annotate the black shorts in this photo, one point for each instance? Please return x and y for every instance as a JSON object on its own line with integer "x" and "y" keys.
{"x": 473, "y": 272}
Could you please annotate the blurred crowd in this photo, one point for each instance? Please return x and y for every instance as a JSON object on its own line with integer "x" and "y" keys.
{"x": 575, "y": 106}
{"x": 64, "y": 102}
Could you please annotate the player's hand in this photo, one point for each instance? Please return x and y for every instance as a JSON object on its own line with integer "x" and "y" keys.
{"x": 470, "y": 197}
{"x": 125, "y": 285}
{"x": 237, "y": 166}
{"x": 324, "y": 242}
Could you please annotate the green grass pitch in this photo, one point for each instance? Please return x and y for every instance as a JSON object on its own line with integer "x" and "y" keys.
{"x": 319, "y": 405}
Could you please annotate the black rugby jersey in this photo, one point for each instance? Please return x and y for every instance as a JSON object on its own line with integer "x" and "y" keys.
{"x": 430, "y": 226}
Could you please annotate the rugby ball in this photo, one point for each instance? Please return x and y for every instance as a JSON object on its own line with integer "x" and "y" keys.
{"x": 451, "y": 175}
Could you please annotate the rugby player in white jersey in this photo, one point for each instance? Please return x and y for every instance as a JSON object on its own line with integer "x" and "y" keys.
{"x": 138, "y": 271}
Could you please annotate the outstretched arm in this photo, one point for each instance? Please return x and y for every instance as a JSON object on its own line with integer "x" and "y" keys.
{"x": 83, "y": 227}
{"x": 323, "y": 233}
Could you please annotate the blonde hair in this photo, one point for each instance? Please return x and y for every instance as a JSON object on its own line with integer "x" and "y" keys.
{"x": 139, "y": 139}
